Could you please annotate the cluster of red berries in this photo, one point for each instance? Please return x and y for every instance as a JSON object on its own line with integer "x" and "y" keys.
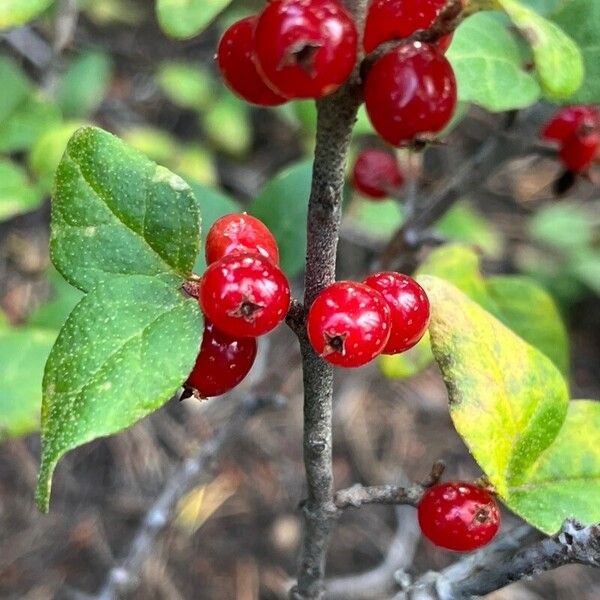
{"x": 309, "y": 48}
{"x": 458, "y": 516}
{"x": 577, "y": 130}
{"x": 243, "y": 295}
{"x": 351, "y": 323}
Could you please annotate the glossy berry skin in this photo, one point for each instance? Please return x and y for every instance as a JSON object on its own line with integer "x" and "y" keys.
{"x": 389, "y": 20}
{"x": 222, "y": 363}
{"x": 410, "y": 92}
{"x": 305, "y": 48}
{"x": 240, "y": 234}
{"x": 348, "y": 324}
{"x": 579, "y": 150}
{"x": 409, "y": 307}
{"x": 244, "y": 295}
{"x": 569, "y": 120}
{"x": 376, "y": 174}
{"x": 458, "y": 516}
{"x": 235, "y": 57}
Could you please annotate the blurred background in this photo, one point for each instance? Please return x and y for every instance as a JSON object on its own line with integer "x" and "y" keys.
{"x": 236, "y": 534}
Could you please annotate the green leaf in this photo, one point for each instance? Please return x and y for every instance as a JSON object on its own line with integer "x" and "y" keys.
{"x": 116, "y": 212}
{"x": 581, "y": 20}
{"x": 500, "y": 388}
{"x": 17, "y": 195}
{"x": 184, "y": 19}
{"x": 123, "y": 352}
{"x": 518, "y": 302}
{"x": 26, "y": 123}
{"x": 558, "y": 60}
{"x": 188, "y": 86}
{"x": 564, "y": 482}
{"x": 64, "y": 298}
{"x": 227, "y": 124}
{"x": 16, "y": 87}
{"x": 195, "y": 162}
{"x": 18, "y": 12}
{"x": 84, "y": 84}
{"x": 407, "y": 364}
{"x": 282, "y": 205}
{"x": 23, "y": 353}
{"x": 213, "y": 205}
{"x": 489, "y": 65}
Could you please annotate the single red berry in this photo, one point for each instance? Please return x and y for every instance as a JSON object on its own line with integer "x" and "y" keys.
{"x": 222, "y": 363}
{"x": 240, "y": 234}
{"x": 579, "y": 150}
{"x": 569, "y": 120}
{"x": 389, "y": 20}
{"x": 376, "y": 173}
{"x": 410, "y": 92}
{"x": 305, "y": 48}
{"x": 458, "y": 516}
{"x": 409, "y": 307}
{"x": 244, "y": 295}
{"x": 349, "y": 324}
{"x": 235, "y": 57}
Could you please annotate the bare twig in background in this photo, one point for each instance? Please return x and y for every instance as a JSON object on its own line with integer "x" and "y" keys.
{"x": 160, "y": 514}
{"x": 507, "y": 561}
{"x": 29, "y": 45}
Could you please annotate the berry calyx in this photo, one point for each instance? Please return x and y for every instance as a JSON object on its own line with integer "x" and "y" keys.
{"x": 579, "y": 150}
{"x": 389, "y": 20}
{"x": 235, "y": 57}
{"x": 348, "y": 324}
{"x": 410, "y": 93}
{"x": 244, "y": 295}
{"x": 305, "y": 48}
{"x": 222, "y": 363}
{"x": 458, "y": 516}
{"x": 376, "y": 174}
{"x": 409, "y": 307}
{"x": 240, "y": 234}
{"x": 569, "y": 120}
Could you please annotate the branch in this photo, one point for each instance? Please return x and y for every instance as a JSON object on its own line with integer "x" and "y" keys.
{"x": 503, "y": 562}
{"x": 194, "y": 469}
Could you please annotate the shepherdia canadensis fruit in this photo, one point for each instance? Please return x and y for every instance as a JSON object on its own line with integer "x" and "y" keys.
{"x": 410, "y": 93}
{"x": 235, "y": 57}
{"x": 349, "y": 324}
{"x": 389, "y": 20}
{"x": 376, "y": 174}
{"x": 240, "y": 234}
{"x": 409, "y": 309}
{"x": 244, "y": 295}
{"x": 458, "y": 516}
{"x": 222, "y": 363}
{"x": 305, "y": 48}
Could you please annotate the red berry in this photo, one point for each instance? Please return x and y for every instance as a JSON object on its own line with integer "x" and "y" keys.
{"x": 580, "y": 150}
{"x": 389, "y": 20}
{"x": 235, "y": 57}
{"x": 444, "y": 43}
{"x": 349, "y": 324}
{"x": 569, "y": 120}
{"x": 222, "y": 363}
{"x": 376, "y": 173}
{"x": 244, "y": 295}
{"x": 409, "y": 92}
{"x": 458, "y": 516}
{"x": 240, "y": 234}
{"x": 305, "y": 48}
{"x": 409, "y": 307}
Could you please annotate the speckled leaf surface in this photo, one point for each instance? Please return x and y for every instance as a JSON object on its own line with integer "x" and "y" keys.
{"x": 116, "y": 212}
{"x": 564, "y": 482}
{"x": 23, "y": 352}
{"x": 558, "y": 59}
{"x": 507, "y": 400}
{"x": 124, "y": 351}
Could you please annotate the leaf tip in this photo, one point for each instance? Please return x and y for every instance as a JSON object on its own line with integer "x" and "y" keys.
{"x": 44, "y": 484}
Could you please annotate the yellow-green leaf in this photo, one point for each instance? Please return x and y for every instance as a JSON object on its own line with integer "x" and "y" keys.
{"x": 183, "y": 19}
{"x": 17, "y": 12}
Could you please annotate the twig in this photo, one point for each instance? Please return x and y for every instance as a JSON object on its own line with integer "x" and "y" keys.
{"x": 29, "y": 45}
{"x": 193, "y": 469}
{"x": 506, "y": 561}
